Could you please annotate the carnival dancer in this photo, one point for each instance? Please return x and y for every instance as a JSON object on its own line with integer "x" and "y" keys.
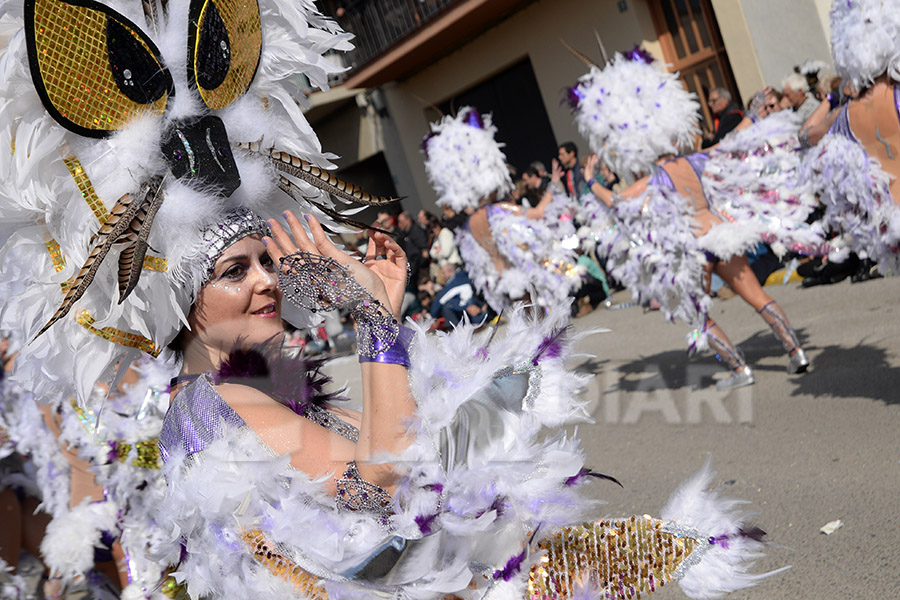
{"x": 855, "y": 164}
{"x": 663, "y": 241}
{"x": 510, "y": 253}
{"x": 445, "y": 484}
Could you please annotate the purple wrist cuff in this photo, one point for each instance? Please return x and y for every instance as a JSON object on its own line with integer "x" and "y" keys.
{"x": 396, "y": 353}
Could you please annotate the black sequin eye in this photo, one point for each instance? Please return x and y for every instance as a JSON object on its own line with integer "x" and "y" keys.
{"x": 214, "y": 50}
{"x": 93, "y": 69}
{"x": 134, "y": 70}
{"x": 225, "y": 42}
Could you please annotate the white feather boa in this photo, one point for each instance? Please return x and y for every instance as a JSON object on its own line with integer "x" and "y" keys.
{"x": 753, "y": 178}
{"x": 650, "y": 248}
{"x": 855, "y": 192}
{"x": 539, "y": 261}
{"x": 516, "y": 480}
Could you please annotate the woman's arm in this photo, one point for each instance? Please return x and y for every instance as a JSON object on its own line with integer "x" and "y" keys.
{"x": 605, "y": 195}
{"x": 817, "y": 126}
{"x": 387, "y": 402}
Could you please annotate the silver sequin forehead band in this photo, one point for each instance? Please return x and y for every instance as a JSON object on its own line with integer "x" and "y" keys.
{"x": 233, "y": 227}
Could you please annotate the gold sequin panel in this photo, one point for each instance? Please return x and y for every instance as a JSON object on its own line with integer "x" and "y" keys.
{"x": 623, "y": 557}
{"x": 283, "y": 567}
{"x": 241, "y": 19}
{"x": 117, "y": 336}
{"x": 70, "y": 43}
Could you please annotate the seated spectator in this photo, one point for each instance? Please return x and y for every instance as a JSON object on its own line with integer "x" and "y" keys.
{"x": 795, "y": 89}
{"x": 443, "y": 249}
{"x": 457, "y": 297}
{"x": 726, "y": 115}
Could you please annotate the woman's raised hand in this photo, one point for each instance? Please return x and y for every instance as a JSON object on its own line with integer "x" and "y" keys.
{"x": 380, "y": 280}
{"x": 386, "y": 258}
{"x": 590, "y": 167}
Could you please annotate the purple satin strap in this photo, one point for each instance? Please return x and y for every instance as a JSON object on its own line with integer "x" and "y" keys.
{"x": 393, "y": 354}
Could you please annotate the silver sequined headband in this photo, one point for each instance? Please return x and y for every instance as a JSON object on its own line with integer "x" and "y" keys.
{"x": 236, "y": 225}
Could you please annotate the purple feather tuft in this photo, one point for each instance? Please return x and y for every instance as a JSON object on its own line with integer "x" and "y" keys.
{"x": 424, "y": 522}
{"x": 295, "y": 382}
{"x": 551, "y": 347}
{"x": 513, "y": 566}
{"x": 473, "y": 119}
{"x": 639, "y": 54}
{"x": 425, "y": 141}
{"x": 574, "y": 96}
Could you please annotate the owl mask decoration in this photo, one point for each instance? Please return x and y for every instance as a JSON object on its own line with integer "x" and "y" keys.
{"x": 126, "y": 130}
{"x": 95, "y": 71}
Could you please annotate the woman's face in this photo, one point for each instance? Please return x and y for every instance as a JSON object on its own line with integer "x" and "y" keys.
{"x": 241, "y": 300}
{"x": 772, "y": 104}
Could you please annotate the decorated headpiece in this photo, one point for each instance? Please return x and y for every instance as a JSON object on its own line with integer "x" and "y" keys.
{"x": 130, "y": 131}
{"x": 632, "y": 111}
{"x": 865, "y": 39}
{"x": 463, "y": 160}
{"x": 233, "y": 227}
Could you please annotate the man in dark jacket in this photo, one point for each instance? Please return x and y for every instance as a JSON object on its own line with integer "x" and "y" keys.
{"x": 415, "y": 244}
{"x": 727, "y": 116}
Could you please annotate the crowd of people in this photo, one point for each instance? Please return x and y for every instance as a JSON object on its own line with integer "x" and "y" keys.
{"x": 156, "y": 441}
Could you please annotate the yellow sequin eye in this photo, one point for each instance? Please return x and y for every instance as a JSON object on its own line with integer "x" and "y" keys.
{"x": 225, "y": 41}
{"x": 93, "y": 68}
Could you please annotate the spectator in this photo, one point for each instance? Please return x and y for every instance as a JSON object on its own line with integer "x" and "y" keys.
{"x": 726, "y": 115}
{"x": 386, "y": 222}
{"x": 415, "y": 244}
{"x": 457, "y": 297}
{"x": 443, "y": 250}
{"x": 573, "y": 179}
{"x": 540, "y": 168}
{"x": 536, "y": 185}
{"x": 453, "y": 220}
{"x": 795, "y": 89}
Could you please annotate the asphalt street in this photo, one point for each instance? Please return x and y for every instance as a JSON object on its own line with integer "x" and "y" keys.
{"x": 803, "y": 450}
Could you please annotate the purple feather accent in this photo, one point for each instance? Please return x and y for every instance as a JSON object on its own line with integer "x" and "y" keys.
{"x": 473, "y": 119}
{"x": 551, "y": 347}
{"x": 754, "y": 533}
{"x": 425, "y": 141}
{"x": 295, "y": 382}
{"x": 498, "y": 505}
{"x": 585, "y": 472}
{"x": 513, "y": 566}
{"x": 424, "y": 522}
{"x": 639, "y": 54}
{"x": 574, "y": 96}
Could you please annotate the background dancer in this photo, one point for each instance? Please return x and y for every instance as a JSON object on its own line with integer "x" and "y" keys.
{"x": 655, "y": 250}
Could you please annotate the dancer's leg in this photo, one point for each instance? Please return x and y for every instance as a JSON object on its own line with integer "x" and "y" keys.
{"x": 740, "y": 278}
{"x": 738, "y": 275}
{"x": 741, "y": 375}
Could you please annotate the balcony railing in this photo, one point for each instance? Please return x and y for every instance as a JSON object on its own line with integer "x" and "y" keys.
{"x": 379, "y": 24}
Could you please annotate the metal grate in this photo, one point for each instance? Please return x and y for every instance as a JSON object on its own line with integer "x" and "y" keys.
{"x": 379, "y": 24}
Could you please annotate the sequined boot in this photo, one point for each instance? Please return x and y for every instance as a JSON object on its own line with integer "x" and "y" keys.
{"x": 741, "y": 374}
{"x": 777, "y": 320}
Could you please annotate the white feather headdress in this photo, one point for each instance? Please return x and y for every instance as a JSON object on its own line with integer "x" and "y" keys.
{"x": 463, "y": 160}
{"x": 59, "y": 185}
{"x": 633, "y": 111}
{"x": 865, "y": 39}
